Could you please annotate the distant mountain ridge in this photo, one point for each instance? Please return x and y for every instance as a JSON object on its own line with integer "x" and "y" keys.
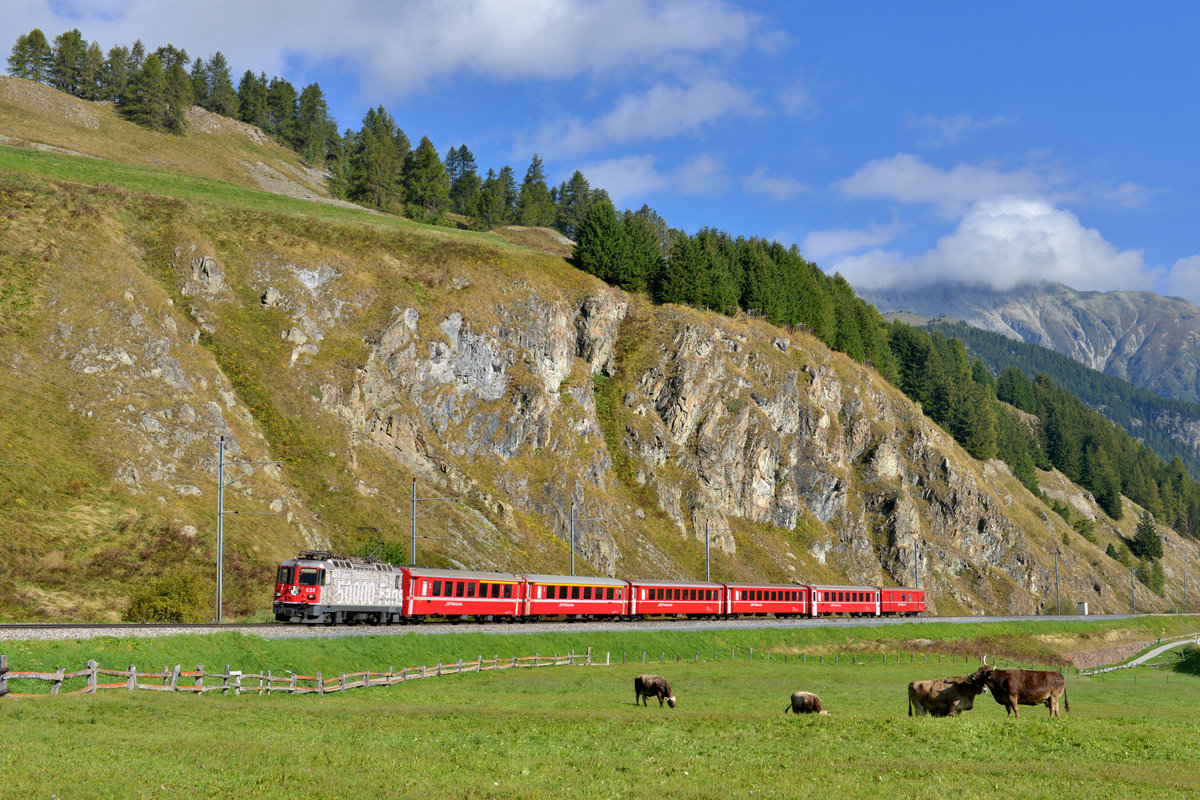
{"x": 1145, "y": 338}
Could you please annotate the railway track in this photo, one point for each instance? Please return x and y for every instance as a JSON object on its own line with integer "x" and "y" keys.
{"x": 275, "y": 630}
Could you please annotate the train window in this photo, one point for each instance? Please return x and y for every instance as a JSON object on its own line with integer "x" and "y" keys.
{"x": 609, "y": 593}
{"x": 587, "y": 593}
{"x": 310, "y": 576}
{"x": 495, "y": 590}
{"x": 550, "y": 592}
{"x": 574, "y": 592}
{"x": 285, "y": 575}
{"x": 462, "y": 590}
{"x": 508, "y": 590}
{"x": 471, "y": 589}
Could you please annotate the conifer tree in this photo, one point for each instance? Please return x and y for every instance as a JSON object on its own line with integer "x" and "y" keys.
{"x": 574, "y": 196}
{"x": 313, "y": 126}
{"x": 66, "y": 71}
{"x": 376, "y": 159}
{"x": 645, "y": 236}
{"x": 145, "y": 101}
{"x": 221, "y": 98}
{"x": 252, "y": 99}
{"x": 491, "y": 210}
{"x": 281, "y": 110}
{"x": 117, "y": 72}
{"x": 200, "y": 82}
{"x": 535, "y": 208}
{"x": 179, "y": 98}
{"x": 1147, "y": 543}
{"x": 601, "y": 246}
{"x": 465, "y": 184}
{"x": 426, "y": 187}
{"x": 32, "y": 57}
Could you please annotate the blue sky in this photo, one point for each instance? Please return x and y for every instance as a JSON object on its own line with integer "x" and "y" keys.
{"x": 893, "y": 142}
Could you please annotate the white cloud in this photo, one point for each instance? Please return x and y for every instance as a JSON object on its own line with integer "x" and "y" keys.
{"x": 795, "y": 99}
{"x": 775, "y": 186}
{"x": 1008, "y": 241}
{"x": 1183, "y": 280}
{"x": 908, "y": 179}
{"x": 661, "y": 112}
{"x": 631, "y": 180}
{"x": 951, "y": 130}
{"x": 822, "y": 245}
{"x": 399, "y": 46}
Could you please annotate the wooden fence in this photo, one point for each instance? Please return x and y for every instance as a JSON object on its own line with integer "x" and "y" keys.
{"x": 177, "y": 680}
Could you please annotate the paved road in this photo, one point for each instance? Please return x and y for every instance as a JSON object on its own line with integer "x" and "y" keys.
{"x": 1144, "y": 657}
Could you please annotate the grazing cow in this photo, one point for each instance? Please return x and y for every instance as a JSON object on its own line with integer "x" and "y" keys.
{"x": 805, "y": 703}
{"x": 1026, "y": 687}
{"x": 944, "y": 697}
{"x": 652, "y": 686}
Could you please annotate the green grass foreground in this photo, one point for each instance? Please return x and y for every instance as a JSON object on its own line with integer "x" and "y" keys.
{"x": 575, "y": 732}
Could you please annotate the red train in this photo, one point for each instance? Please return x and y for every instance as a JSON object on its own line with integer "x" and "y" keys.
{"x": 319, "y": 587}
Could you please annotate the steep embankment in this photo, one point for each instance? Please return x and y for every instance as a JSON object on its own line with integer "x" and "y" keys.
{"x": 362, "y": 353}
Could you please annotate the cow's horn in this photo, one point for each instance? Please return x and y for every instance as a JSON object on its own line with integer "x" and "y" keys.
{"x": 983, "y": 660}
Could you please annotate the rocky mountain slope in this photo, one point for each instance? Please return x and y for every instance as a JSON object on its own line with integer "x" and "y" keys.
{"x": 368, "y": 358}
{"x": 1142, "y": 337}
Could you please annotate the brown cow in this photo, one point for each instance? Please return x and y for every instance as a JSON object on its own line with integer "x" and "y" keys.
{"x": 944, "y": 697}
{"x": 652, "y": 686}
{"x": 805, "y": 703}
{"x": 1026, "y": 687}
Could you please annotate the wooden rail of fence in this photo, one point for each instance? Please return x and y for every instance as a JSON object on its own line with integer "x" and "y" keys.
{"x": 177, "y": 680}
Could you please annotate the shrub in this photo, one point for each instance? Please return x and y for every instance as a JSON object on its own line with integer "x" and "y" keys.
{"x": 179, "y": 597}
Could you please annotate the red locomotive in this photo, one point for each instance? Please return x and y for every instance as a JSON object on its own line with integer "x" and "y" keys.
{"x": 320, "y": 587}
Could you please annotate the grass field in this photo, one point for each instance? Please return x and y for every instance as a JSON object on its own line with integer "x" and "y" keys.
{"x": 575, "y": 732}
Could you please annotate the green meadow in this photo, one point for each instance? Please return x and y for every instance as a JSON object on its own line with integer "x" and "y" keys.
{"x": 575, "y": 731}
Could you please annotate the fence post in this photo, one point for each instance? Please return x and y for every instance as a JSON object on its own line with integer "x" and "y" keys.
{"x": 175, "y": 677}
{"x": 91, "y": 677}
{"x": 200, "y": 678}
{"x": 3, "y": 675}
{"x": 225, "y": 681}
{"x": 269, "y": 684}
{"x": 751, "y": 653}
{"x": 237, "y": 683}
{"x": 643, "y": 656}
{"x": 132, "y": 678}
{"x": 58, "y": 680}
{"x": 293, "y": 687}
{"x": 588, "y": 659}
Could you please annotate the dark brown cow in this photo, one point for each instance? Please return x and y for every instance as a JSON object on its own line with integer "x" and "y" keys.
{"x": 1026, "y": 687}
{"x": 805, "y": 703}
{"x": 944, "y": 697}
{"x": 652, "y": 686}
